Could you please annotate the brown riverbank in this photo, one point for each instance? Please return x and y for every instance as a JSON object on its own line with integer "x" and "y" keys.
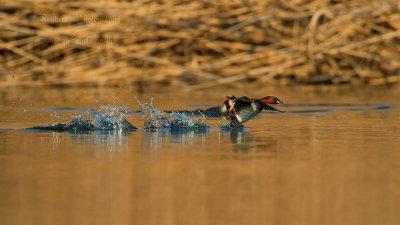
{"x": 198, "y": 43}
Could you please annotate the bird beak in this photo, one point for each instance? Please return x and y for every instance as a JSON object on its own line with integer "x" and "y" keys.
{"x": 270, "y": 108}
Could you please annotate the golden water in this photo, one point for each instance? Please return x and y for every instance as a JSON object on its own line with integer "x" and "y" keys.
{"x": 335, "y": 167}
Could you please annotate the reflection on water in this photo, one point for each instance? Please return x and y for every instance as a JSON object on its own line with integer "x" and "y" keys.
{"x": 157, "y": 139}
{"x": 101, "y": 141}
{"x": 154, "y": 139}
{"x": 332, "y": 158}
{"x": 107, "y": 141}
{"x": 245, "y": 141}
{"x": 117, "y": 140}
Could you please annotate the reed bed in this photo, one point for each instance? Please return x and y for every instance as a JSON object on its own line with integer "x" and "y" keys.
{"x": 199, "y": 44}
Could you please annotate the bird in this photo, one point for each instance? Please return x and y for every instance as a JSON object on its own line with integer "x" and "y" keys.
{"x": 240, "y": 110}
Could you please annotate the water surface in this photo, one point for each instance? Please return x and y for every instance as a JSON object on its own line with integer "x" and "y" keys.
{"x": 332, "y": 158}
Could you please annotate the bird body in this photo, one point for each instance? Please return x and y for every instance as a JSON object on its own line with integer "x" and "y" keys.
{"x": 240, "y": 110}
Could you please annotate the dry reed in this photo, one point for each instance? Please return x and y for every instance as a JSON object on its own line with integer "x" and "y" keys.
{"x": 199, "y": 43}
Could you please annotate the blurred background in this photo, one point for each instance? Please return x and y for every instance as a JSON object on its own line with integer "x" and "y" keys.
{"x": 331, "y": 158}
{"x": 198, "y": 44}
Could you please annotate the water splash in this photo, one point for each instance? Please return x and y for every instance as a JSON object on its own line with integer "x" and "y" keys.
{"x": 109, "y": 117}
{"x": 106, "y": 118}
{"x": 155, "y": 118}
{"x": 55, "y": 114}
{"x": 180, "y": 121}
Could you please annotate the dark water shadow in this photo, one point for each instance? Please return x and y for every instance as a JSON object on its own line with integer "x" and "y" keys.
{"x": 212, "y": 111}
{"x": 309, "y": 108}
{"x": 330, "y": 107}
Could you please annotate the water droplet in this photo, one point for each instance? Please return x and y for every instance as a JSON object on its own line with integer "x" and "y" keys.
{"x": 55, "y": 114}
{"x": 154, "y": 118}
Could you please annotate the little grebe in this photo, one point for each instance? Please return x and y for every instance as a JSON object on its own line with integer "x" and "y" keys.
{"x": 240, "y": 110}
